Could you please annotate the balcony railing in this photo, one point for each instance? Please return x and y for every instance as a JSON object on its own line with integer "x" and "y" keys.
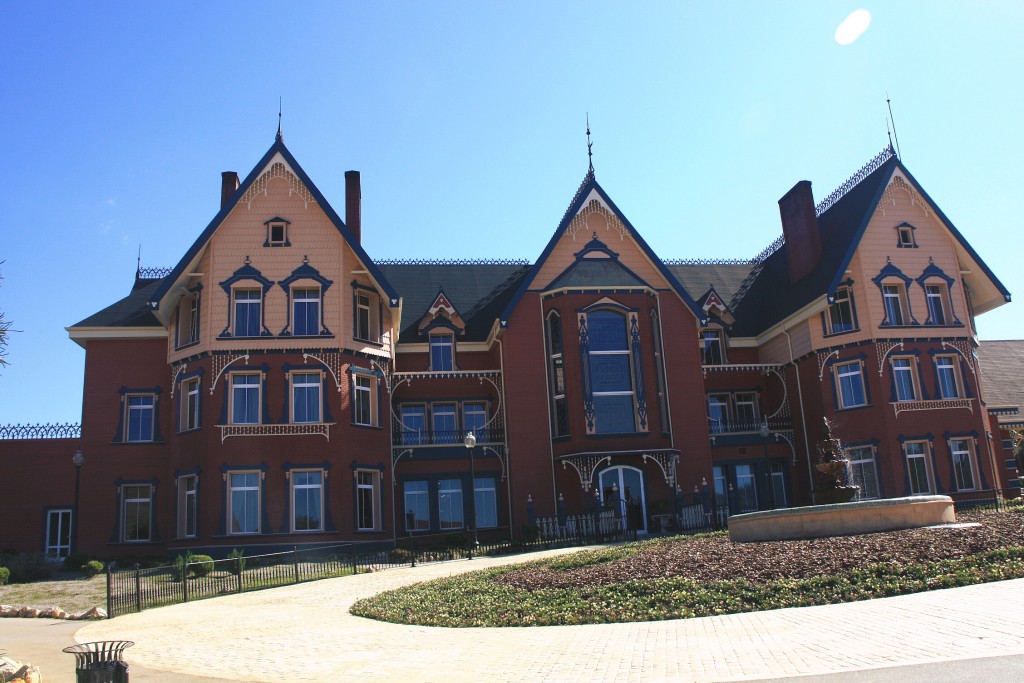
{"x": 446, "y": 437}
{"x": 935, "y": 404}
{"x": 722, "y": 427}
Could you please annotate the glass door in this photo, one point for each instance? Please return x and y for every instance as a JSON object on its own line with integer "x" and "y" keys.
{"x": 622, "y": 489}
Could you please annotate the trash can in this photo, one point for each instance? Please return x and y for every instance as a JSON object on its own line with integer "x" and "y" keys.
{"x": 100, "y": 662}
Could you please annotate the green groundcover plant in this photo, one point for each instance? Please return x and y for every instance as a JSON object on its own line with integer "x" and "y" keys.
{"x": 707, "y": 575}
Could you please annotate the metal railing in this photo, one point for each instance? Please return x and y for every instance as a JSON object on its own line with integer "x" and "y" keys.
{"x": 446, "y": 437}
{"x": 57, "y": 430}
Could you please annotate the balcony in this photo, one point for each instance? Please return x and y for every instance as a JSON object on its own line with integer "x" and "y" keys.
{"x": 734, "y": 427}
{"x": 446, "y": 437}
{"x": 301, "y": 429}
{"x": 936, "y": 404}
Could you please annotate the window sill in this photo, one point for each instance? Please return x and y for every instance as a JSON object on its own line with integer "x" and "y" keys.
{"x": 231, "y": 337}
{"x": 187, "y": 346}
{"x": 155, "y": 442}
{"x": 190, "y": 431}
{"x": 361, "y": 426}
{"x": 372, "y": 342}
{"x": 288, "y": 335}
{"x": 619, "y": 435}
{"x": 829, "y": 335}
{"x": 912, "y": 326}
{"x": 277, "y": 244}
{"x": 845, "y": 409}
{"x": 561, "y": 437}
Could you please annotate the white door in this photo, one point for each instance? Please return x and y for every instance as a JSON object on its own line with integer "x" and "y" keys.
{"x": 623, "y": 487}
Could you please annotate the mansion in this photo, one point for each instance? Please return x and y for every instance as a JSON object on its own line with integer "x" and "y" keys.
{"x": 279, "y": 387}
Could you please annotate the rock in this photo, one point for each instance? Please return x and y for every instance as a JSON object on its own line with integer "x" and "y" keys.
{"x": 94, "y": 613}
{"x": 29, "y": 674}
{"x": 53, "y": 613}
{"x": 8, "y": 611}
{"x": 7, "y": 668}
{"x": 30, "y": 612}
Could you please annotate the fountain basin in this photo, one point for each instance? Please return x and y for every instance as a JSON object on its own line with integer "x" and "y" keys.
{"x": 842, "y": 519}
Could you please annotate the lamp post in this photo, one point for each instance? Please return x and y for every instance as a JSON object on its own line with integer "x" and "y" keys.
{"x": 470, "y": 442}
{"x": 77, "y": 459}
{"x": 763, "y": 431}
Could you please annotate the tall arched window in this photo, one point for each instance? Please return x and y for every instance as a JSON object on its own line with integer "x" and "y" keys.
{"x": 556, "y": 373}
{"x": 607, "y": 361}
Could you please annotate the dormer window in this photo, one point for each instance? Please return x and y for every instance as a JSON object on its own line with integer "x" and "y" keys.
{"x": 712, "y": 351}
{"x": 277, "y": 232}
{"x": 905, "y": 236}
{"x": 248, "y": 307}
{"x": 442, "y": 352}
{"x": 366, "y": 314}
{"x": 840, "y": 312}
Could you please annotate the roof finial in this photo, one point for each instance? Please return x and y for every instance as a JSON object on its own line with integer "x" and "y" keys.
{"x": 138, "y": 263}
{"x": 888, "y": 103}
{"x": 590, "y": 153}
{"x": 280, "y": 135}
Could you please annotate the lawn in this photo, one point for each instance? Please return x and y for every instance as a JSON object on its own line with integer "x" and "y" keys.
{"x": 707, "y": 575}
{"x": 68, "y": 590}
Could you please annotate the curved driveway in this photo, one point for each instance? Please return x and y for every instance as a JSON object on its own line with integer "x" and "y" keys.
{"x": 305, "y": 633}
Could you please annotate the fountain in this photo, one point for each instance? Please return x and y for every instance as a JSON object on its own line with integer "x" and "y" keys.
{"x": 833, "y": 469}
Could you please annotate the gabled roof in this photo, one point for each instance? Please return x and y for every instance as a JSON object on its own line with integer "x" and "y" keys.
{"x": 278, "y": 147}
{"x": 478, "y": 289}
{"x": 131, "y": 311}
{"x": 842, "y": 222}
{"x": 587, "y": 187}
{"x": 1001, "y": 363}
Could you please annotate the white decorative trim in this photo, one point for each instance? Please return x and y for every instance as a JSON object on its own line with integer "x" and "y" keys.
{"x": 586, "y": 467}
{"x": 331, "y": 361}
{"x": 899, "y": 183}
{"x": 936, "y": 404}
{"x": 667, "y": 463}
{"x": 964, "y": 349}
{"x": 822, "y": 359}
{"x": 316, "y": 429}
{"x": 277, "y": 170}
{"x": 219, "y": 363}
{"x": 888, "y": 346}
{"x": 176, "y": 369}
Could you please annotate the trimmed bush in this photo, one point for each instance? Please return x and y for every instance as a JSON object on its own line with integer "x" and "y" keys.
{"x": 198, "y": 565}
{"x": 237, "y": 564}
{"x": 92, "y": 568}
{"x": 5, "y": 574}
{"x": 74, "y": 561}
{"x": 29, "y": 567}
{"x": 400, "y": 556}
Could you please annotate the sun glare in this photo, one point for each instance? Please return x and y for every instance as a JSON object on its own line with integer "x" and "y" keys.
{"x": 853, "y": 26}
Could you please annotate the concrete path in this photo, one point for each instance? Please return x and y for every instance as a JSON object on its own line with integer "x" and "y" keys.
{"x": 305, "y": 633}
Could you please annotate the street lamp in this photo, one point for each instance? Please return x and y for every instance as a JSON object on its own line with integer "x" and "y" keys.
{"x": 763, "y": 431}
{"x": 77, "y": 459}
{"x": 470, "y": 442}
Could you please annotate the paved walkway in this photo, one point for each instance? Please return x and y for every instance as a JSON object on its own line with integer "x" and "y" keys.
{"x": 305, "y": 633}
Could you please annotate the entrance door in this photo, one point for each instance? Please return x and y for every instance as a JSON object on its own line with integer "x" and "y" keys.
{"x": 778, "y": 485}
{"x": 629, "y": 499}
{"x": 58, "y": 534}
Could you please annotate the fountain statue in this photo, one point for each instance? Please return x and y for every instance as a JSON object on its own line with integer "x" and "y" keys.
{"x": 832, "y": 482}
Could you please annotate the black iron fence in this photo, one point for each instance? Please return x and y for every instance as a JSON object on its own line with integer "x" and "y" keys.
{"x": 994, "y": 499}
{"x": 57, "y": 430}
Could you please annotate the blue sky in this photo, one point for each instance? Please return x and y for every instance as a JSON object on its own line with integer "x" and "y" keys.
{"x": 467, "y": 123}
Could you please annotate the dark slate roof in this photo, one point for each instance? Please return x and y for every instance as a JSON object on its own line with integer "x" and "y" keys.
{"x": 728, "y": 278}
{"x": 478, "y": 290}
{"x": 1002, "y": 373}
{"x": 131, "y": 311}
{"x": 771, "y": 297}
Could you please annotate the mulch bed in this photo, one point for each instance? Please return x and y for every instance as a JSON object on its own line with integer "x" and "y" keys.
{"x": 715, "y": 558}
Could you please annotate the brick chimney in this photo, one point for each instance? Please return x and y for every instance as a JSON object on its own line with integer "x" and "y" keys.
{"x": 228, "y": 185}
{"x": 353, "y": 204}
{"x": 800, "y": 228}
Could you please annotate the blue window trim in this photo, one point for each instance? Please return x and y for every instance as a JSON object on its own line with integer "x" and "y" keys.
{"x": 891, "y": 271}
{"x": 950, "y": 353}
{"x": 913, "y": 236}
{"x": 226, "y": 471}
{"x": 246, "y": 370}
{"x": 929, "y": 440}
{"x": 246, "y": 273}
{"x": 196, "y": 292}
{"x": 197, "y": 374}
{"x": 862, "y": 359}
{"x": 287, "y": 229}
{"x": 178, "y": 474}
{"x": 117, "y": 537}
{"x": 325, "y": 468}
{"x": 934, "y": 272}
{"x": 304, "y": 272}
{"x": 286, "y": 414}
{"x": 124, "y": 392}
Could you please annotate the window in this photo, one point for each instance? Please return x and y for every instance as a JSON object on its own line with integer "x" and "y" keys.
{"x": 58, "y": 534}
{"x": 851, "y": 385}
{"x": 746, "y": 488}
{"x": 245, "y": 399}
{"x": 948, "y": 375}
{"x": 905, "y": 235}
{"x": 307, "y": 500}
{"x": 746, "y": 410}
{"x": 139, "y": 418}
{"x": 474, "y": 417}
{"x": 441, "y": 352}
{"x": 893, "y": 297}
{"x": 367, "y": 487}
{"x": 305, "y": 397}
{"x": 244, "y": 502}
{"x": 840, "y": 312}
{"x": 863, "y": 472}
{"x": 366, "y": 315}
{"x": 718, "y": 413}
{"x": 486, "y": 503}
{"x": 917, "y": 467}
{"x": 556, "y": 368}
{"x": 305, "y": 311}
{"x": 443, "y": 420}
{"x": 188, "y": 320}
{"x": 938, "y": 304}
{"x": 417, "y": 506}
{"x": 188, "y": 417}
{"x": 136, "y": 512}
{"x": 248, "y": 306}
{"x": 711, "y": 347}
{"x": 963, "y": 464}
{"x": 362, "y": 400}
{"x": 449, "y": 504}
{"x": 277, "y": 232}
{"x": 414, "y": 424}
{"x": 611, "y": 379}
{"x": 187, "y": 506}
{"x": 903, "y": 378}
{"x": 362, "y": 316}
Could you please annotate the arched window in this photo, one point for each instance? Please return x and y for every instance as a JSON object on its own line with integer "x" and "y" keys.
{"x": 556, "y": 372}
{"x": 607, "y": 360}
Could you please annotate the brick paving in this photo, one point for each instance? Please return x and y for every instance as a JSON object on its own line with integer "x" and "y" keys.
{"x": 305, "y": 633}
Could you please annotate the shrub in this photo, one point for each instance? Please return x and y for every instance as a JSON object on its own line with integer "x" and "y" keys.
{"x": 92, "y": 568}
{"x": 5, "y": 574}
{"x": 74, "y": 561}
{"x": 237, "y": 564}
{"x": 198, "y": 565}
{"x": 29, "y": 567}
{"x": 400, "y": 556}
